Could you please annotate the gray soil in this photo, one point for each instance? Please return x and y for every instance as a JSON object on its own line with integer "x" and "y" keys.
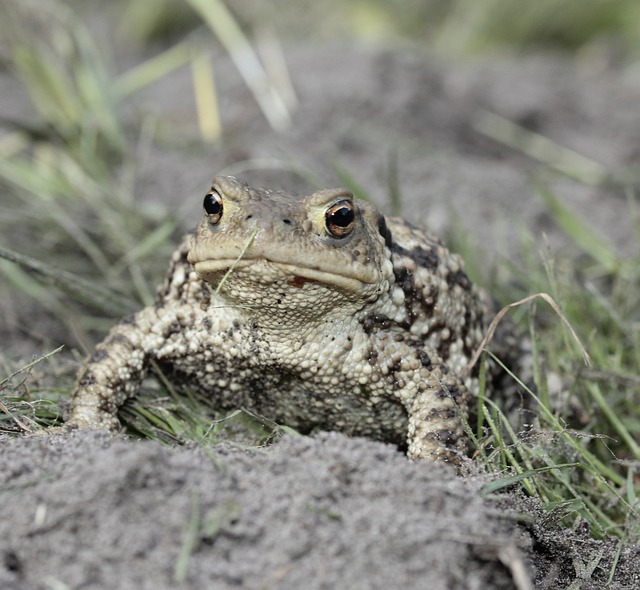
{"x": 95, "y": 511}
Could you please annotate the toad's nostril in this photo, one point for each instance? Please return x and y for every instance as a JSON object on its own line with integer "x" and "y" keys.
{"x": 286, "y": 221}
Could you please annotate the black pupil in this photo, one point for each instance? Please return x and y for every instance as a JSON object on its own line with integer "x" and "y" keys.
{"x": 342, "y": 217}
{"x": 212, "y": 204}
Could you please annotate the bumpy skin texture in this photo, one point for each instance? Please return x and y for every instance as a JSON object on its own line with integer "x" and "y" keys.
{"x": 366, "y": 332}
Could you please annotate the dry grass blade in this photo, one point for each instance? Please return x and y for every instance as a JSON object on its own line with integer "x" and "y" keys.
{"x": 496, "y": 320}
{"x": 511, "y": 557}
{"x": 229, "y": 33}
{"x": 21, "y": 425}
{"x": 233, "y": 266}
{"x": 275, "y": 63}
{"x": 206, "y": 99}
{"x": 30, "y": 365}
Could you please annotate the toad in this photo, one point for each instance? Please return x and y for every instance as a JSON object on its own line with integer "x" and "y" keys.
{"x": 317, "y": 312}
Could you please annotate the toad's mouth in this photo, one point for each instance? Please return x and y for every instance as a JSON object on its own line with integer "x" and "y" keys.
{"x": 264, "y": 270}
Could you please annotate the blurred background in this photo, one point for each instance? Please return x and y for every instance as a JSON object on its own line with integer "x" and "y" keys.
{"x": 482, "y": 119}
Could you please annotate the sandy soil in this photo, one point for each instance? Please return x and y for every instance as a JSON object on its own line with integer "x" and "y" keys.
{"x": 92, "y": 511}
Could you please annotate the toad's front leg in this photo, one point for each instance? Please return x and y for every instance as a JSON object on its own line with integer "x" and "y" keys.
{"x": 436, "y": 414}
{"x": 113, "y": 373}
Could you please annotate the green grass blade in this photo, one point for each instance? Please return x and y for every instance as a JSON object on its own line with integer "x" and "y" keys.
{"x": 541, "y": 148}
{"x": 93, "y": 295}
{"x": 504, "y": 482}
{"x": 614, "y": 420}
{"x": 153, "y": 69}
{"x": 190, "y": 541}
{"x": 350, "y": 182}
{"x": 583, "y": 235}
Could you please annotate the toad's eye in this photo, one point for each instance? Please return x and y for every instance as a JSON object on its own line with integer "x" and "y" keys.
{"x": 213, "y": 206}
{"x": 340, "y": 219}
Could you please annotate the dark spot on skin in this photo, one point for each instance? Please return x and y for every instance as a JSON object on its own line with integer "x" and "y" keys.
{"x": 297, "y": 281}
{"x": 106, "y": 405}
{"x": 412, "y": 296}
{"x": 173, "y": 328}
{"x": 368, "y": 324}
{"x": 385, "y": 232}
{"x": 87, "y": 379}
{"x": 450, "y": 387}
{"x": 395, "y": 366}
{"x": 444, "y": 349}
{"x": 427, "y": 258}
{"x": 443, "y": 394}
{"x": 403, "y": 279}
{"x": 431, "y": 302}
{"x": 206, "y": 324}
{"x": 459, "y": 278}
{"x": 373, "y": 321}
{"x": 99, "y": 355}
{"x": 416, "y": 306}
{"x": 425, "y": 360}
{"x": 122, "y": 340}
{"x": 443, "y": 437}
{"x": 454, "y": 392}
{"x": 471, "y": 322}
{"x": 356, "y": 255}
{"x": 181, "y": 291}
{"x": 204, "y": 298}
{"x": 372, "y": 357}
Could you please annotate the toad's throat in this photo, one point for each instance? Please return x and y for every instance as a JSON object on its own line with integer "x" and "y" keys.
{"x": 213, "y": 271}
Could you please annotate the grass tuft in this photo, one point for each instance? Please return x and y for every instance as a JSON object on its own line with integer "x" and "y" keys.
{"x": 581, "y": 458}
{"x": 24, "y": 409}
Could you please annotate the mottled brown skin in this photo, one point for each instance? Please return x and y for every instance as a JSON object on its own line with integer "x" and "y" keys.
{"x": 353, "y": 323}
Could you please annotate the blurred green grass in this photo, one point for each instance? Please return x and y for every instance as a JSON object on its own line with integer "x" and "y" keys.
{"x": 460, "y": 26}
{"x": 68, "y": 181}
